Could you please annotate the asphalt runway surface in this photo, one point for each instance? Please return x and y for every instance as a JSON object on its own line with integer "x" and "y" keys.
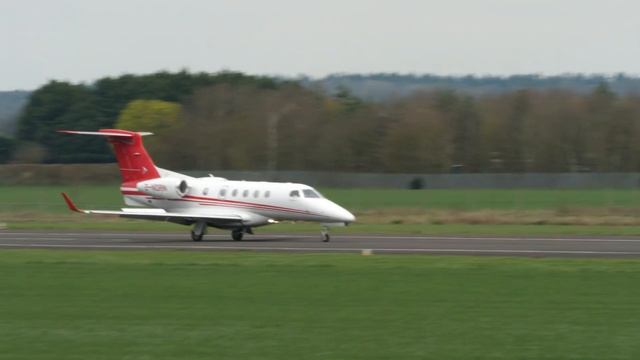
{"x": 376, "y": 244}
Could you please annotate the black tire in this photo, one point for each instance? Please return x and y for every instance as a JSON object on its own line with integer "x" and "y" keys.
{"x": 196, "y": 237}
{"x": 236, "y": 235}
{"x": 326, "y": 237}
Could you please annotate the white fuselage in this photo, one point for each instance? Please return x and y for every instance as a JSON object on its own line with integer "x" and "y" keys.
{"x": 257, "y": 202}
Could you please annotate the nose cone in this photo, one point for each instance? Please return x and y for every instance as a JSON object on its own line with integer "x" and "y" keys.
{"x": 341, "y": 214}
{"x": 347, "y": 216}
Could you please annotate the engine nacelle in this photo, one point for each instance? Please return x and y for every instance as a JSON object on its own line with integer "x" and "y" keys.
{"x": 164, "y": 188}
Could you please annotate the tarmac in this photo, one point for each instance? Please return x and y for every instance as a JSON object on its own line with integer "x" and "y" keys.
{"x": 610, "y": 247}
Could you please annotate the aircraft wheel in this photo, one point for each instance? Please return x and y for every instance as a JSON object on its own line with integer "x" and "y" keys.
{"x": 196, "y": 237}
{"x": 326, "y": 237}
{"x": 236, "y": 235}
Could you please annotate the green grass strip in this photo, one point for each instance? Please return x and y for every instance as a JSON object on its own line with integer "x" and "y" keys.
{"x": 189, "y": 305}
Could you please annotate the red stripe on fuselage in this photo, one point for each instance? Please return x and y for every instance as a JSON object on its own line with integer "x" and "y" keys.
{"x": 274, "y": 207}
{"x": 253, "y": 207}
{"x": 130, "y": 192}
{"x": 208, "y": 201}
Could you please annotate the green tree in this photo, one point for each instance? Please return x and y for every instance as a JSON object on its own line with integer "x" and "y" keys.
{"x": 149, "y": 115}
{"x": 56, "y": 106}
{"x": 162, "y": 118}
{"x": 60, "y": 105}
{"x": 7, "y": 147}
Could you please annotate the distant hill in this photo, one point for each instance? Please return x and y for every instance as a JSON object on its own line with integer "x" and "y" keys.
{"x": 380, "y": 87}
{"x": 11, "y": 103}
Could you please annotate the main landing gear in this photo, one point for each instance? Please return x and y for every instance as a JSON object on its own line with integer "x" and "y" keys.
{"x": 325, "y": 234}
{"x": 237, "y": 234}
{"x": 198, "y": 231}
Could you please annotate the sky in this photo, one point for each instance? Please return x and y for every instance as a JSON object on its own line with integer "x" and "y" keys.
{"x": 83, "y": 40}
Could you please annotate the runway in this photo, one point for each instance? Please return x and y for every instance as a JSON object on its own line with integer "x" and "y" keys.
{"x": 376, "y": 244}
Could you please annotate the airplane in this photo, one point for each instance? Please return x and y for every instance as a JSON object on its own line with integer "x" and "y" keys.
{"x": 239, "y": 206}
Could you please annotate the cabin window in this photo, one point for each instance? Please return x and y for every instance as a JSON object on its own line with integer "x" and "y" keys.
{"x": 245, "y": 193}
{"x": 223, "y": 192}
{"x": 234, "y": 193}
{"x": 308, "y": 193}
{"x": 267, "y": 193}
{"x": 256, "y": 193}
{"x": 294, "y": 193}
{"x": 205, "y": 191}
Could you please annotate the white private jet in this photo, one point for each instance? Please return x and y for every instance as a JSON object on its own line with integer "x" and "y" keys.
{"x": 238, "y": 206}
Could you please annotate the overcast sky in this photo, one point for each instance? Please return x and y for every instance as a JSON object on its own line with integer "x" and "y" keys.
{"x": 82, "y": 40}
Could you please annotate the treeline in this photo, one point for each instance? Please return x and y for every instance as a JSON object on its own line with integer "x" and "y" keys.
{"x": 61, "y": 105}
{"x": 390, "y": 86}
{"x": 237, "y": 122}
{"x": 291, "y": 128}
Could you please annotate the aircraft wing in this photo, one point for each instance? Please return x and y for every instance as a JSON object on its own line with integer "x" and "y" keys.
{"x": 160, "y": 215}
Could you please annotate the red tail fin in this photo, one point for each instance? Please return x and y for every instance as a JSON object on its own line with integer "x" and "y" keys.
{"x": 134, "y": 161}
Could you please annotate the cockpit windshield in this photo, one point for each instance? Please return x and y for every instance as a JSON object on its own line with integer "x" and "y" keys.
{"x": 309, "y": 193}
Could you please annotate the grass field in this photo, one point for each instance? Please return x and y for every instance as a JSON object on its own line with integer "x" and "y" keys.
{"x": 508, "y": 212}
{"x": 188, "y": 305}
{"x": 47, "y": 198}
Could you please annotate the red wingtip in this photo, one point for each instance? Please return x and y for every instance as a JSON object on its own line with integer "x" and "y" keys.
{"x": 70, "y": 203}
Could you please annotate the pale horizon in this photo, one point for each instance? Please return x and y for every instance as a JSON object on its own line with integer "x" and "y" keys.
{"x": 82, "y": 41}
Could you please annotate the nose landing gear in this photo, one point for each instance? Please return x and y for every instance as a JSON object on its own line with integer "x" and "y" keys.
{"x": 325, "y": 234}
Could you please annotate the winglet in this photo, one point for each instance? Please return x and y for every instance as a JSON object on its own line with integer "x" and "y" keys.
{"x": 70, "y": 203}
